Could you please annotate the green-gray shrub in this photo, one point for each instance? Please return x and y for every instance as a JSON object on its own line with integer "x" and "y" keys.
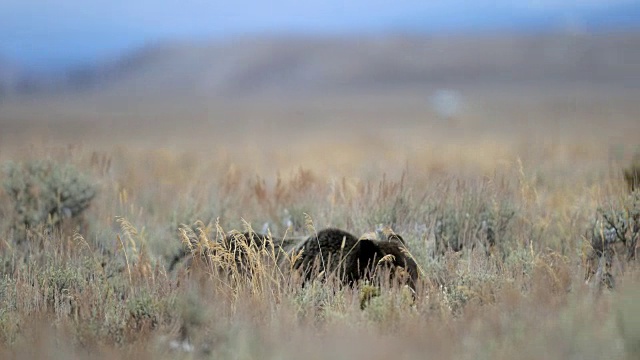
{"x": 56, "y": 281}
{"x": 143, "y": 310}
{"x": 476, "y": 222}
{"x": 617, "y": 224}
{"x": 45, "y": 192}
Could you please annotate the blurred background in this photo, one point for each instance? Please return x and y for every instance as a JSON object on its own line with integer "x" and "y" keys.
{"x": 374, "y": 74}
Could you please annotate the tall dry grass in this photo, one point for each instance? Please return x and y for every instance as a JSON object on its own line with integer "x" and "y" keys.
{"x": 102, "y": 290}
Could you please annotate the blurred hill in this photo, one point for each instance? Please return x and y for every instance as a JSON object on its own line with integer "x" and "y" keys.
{"x": 10, "y": 75}
{"x": 308, "y": 66}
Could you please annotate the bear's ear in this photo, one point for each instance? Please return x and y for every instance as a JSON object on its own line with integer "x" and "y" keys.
{"x": 396, "y": 238}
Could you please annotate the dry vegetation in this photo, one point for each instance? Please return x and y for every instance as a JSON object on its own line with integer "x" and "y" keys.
{"x": 520, "y": 196}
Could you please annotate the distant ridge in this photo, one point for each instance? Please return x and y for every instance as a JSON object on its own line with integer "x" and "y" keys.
{"x": 10, "y": 75}
{"x": 302, "y": 66}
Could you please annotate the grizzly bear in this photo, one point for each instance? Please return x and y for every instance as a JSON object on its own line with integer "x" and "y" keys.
{"x": 336, "y": 253}
{"x": 330, "y": 254}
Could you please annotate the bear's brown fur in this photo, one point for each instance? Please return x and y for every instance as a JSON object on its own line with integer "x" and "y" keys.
{"x": 334, "y": 252}
{"x": 632, "y": 177}
{"x": 632, "y": 173}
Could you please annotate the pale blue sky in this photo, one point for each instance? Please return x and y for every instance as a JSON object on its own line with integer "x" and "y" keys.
{"x": 63, "y": 32}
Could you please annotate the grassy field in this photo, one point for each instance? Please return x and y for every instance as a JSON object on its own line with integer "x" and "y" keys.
{"x": 99, "y": 286}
